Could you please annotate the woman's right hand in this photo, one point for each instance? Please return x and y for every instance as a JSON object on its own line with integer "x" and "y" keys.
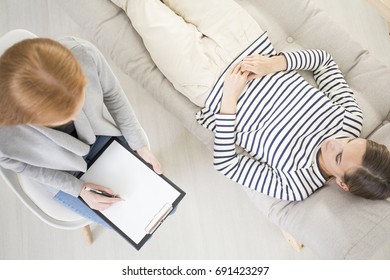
{"x": 97, "y": 201}
{"x": 234, "y": 84}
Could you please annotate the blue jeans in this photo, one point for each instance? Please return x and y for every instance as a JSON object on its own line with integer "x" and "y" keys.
{"x": 75, "y": 203}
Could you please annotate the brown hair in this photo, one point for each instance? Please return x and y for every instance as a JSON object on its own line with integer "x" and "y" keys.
{"x": 372, "y": 179}
{"x": 40, "y": 81}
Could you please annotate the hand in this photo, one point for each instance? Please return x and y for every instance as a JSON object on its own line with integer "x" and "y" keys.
{"x": 261, "y": 65}
{"x": 149, "y": 157}
{"x": 98, "y": 201}
{"x": 234, "y": 84}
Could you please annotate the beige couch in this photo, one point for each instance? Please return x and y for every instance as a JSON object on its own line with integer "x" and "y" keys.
{"x": 334, "y": 224}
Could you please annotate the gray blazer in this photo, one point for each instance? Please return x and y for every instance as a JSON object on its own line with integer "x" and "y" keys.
{"x": 45, "y": 154}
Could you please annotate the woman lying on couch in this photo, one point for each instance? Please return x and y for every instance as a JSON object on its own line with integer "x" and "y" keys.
{"x": 295, "y": 136}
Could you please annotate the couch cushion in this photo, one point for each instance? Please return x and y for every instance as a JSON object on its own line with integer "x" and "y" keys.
{"x": 382, "y": 135}
{"x": 372, "y": 118}
{"x": 371, "y": 80}
{"x": 333, "y": 223}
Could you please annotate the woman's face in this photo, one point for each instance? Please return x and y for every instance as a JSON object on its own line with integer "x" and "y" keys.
{"x": 339, "y": 156}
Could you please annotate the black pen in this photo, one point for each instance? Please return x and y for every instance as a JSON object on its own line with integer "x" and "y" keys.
{"x": 103, "y": 193}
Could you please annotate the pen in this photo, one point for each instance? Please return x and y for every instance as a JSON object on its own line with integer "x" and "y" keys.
{"x": 101, "y": 192}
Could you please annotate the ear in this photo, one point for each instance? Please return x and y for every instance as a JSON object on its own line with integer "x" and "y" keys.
{"x": 342, "y": 184}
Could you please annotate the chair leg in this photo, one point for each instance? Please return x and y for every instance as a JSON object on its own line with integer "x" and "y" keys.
{"x": 88, "y": 238}
{"x": 293, "y": 242}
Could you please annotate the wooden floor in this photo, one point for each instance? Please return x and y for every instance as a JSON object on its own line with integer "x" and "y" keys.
{"x": 215, "y": 220}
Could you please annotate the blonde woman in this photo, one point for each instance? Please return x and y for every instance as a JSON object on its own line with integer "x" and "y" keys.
{"x": 59, "y": 103}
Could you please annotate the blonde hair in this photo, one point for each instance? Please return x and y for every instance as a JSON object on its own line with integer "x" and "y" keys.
{"x": 40, "y": 80}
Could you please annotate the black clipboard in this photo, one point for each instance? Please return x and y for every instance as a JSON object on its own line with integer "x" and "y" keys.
{"x": 161, "y": 184}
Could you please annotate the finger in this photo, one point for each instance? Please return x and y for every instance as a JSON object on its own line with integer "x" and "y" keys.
{"x": 156, "y": 167}
{"x": 241, "y": 69}
{"x": 245, "y": 74}
{"x": 105, "y": 189}
{"x": 102, "y": 207}
{"x": 257, "y": 58}
{"x": 252, "y": 76}
{"x": 106, "y": 200}
{"x": 253, "y": 55}
{"x": 152, "y": 160}
{"x": 249, "y": 59}
{"x": 116, "y": 199}
{"x": 231, "y": 69}
{"x": 236, "y": 69}
{"x": 98, "y": 206}
{"x": 247, "y": 67}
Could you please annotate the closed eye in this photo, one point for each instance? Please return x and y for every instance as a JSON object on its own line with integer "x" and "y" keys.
{"x": 340, "y": 155}
{"x": 338, "y": 158}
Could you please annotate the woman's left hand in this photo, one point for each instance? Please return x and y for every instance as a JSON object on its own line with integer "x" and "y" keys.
{"x": 149, "y": 157}
{"x": 260, "y": 65}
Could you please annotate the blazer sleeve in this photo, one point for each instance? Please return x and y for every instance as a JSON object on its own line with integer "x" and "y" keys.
{"x": 116, "y": 101}
{"x": 59, "y": 180}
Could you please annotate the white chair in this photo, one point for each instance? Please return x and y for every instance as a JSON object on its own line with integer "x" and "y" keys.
{"x": 41, "y": 204}
{"x": 40, "y": 200}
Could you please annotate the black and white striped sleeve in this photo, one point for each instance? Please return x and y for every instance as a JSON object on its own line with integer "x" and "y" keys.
{"x": 330, "y": 81}
{"x": 241, "y": 168}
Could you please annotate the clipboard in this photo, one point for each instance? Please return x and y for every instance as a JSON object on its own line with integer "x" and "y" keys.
{"x": 148, "y": 197}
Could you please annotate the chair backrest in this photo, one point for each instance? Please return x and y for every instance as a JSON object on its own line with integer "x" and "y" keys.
{"x": 14, "y": 36}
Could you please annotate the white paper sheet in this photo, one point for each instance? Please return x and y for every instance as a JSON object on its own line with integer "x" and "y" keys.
{"x": 144, "y": 192}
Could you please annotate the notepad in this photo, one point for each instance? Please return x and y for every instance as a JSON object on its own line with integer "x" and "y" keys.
{"x": 148, "y": 197}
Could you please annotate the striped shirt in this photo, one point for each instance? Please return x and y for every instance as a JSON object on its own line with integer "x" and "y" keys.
{"x": 280, "y": 122}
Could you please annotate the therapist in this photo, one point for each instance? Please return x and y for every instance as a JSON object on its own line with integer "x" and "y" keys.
{"x": 58, "y": 103}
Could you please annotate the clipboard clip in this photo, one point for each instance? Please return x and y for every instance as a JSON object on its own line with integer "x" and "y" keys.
{"x": 158, "y": 218}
